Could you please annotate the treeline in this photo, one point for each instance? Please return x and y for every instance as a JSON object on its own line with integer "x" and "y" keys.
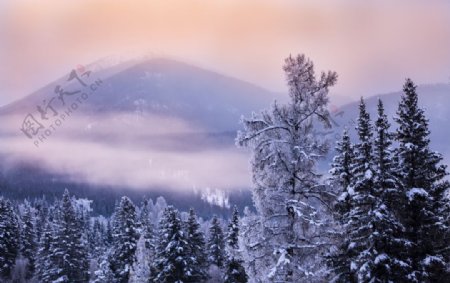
{"x": 61, "y": 242}
{"x": 382, "y": 216}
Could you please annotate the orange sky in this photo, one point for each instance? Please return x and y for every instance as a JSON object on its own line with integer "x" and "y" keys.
{"x": 373, "y": 45}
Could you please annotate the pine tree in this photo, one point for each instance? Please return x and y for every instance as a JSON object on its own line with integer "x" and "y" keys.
{"x": 354, "y": 257}
{"x": 9, "y": 238}
{"x": 125, "y": 237}
{"x": 147, "y": 227}
{"x": 235, "y": 271}
{"x": 44, "y": 260}
{"x": 197, "y": 246}
{"x": 386, "y": 264}
{"x": 216, "y": 244}
{"x": 422, "y": 178}
{"x": 28, "y": 241}
{"x": 69, "y": 262}
{"x": 233, "y": 230}
{"x": 341, "y": 178}
{"x": 341, "y": 171}
{"x": 173, "y": 262}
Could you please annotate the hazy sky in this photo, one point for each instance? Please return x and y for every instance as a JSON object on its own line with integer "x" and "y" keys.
{"x": 373, "y": 45}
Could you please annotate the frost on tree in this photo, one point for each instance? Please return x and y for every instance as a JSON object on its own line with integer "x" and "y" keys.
{"x": 125, "y": 237}
{"x": 9, "y": 242}
{"x": 371, "y": 239}
{"x": 424, "y": 210}
{"x": 287, "y": 191}
{"x": 173, "y": 262}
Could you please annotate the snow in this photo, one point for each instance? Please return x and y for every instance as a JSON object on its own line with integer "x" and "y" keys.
{"x": 368, "y": 174}
{"x": 414, "y": 192}
{"x": 430, "y": 259}
{"x": 380, "y": 258}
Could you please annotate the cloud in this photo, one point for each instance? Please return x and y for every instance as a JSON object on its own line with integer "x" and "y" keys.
{"x": 128, "y": 157}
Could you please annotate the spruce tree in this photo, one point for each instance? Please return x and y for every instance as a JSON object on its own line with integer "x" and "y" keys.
{"x": 125, "y": 237}
{"x": 197, "y": 246}
{"x": 28, "y": 241}
{"x": 9, "y": 238}
{"x": 216, "y": 244}
{"x": 233, "y": 230}
{"x": 341, "y": 171}
{"x": 386, "y": 239}
{"x": 173, "y": 262}
{"x": 44, "y": 252}
{"x": 422, "y": 178}
{"x": 235, "y": 271}
{"x": 147, "y": 227}
{"x": 69, "y": 258}
{"x": 353, "y": 260}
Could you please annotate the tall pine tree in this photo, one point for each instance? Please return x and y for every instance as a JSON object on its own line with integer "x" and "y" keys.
{"x": 125, "y": 237}
{"x": 69, "y": 258}
{"x": 235, "y": 271}
{"x": 9, "y": 238}
{"x": 422, "y": 177}
{"x": 28, "y": 241}
{"x": 216, "y": 244}
{"x": 354, "y": 259}
{"x": 386, "y": 239}
{"x": 173, "y": 262}
{"x": 197, "y": 246}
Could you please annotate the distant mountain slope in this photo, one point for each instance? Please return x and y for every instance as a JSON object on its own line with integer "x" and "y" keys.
{"x": 161, "y": 127}
{"x": 147, "y": 123}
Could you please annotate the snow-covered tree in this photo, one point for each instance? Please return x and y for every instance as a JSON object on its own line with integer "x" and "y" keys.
{"x": 288, "y": 193}
{"x": 125, "y": 237}
{"x": 422, "y": 177}
{"x": 234, "y": 271}
{"x": 68, "y": 248}
{"x": 28, "y": 241}
{"x": 173, "y": 262}
{"x": 43, "y": 260}
{"x": 197, "y": 246}
{"x": 9, "y": 238}
{"x": 233, "y": 230}
{"x": 386, "y": 239}
{"x": 147, "y": 228}
{"x": 341, "y": 171}
{"x": 354, "y": 258}
{"x": 216, "y": 243}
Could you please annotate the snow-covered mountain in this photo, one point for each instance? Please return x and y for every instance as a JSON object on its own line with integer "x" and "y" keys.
{"x": 150, "y": 125}
{"x": 158, "y": 126}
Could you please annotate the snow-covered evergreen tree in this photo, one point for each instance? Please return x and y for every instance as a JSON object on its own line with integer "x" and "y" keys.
{"x": 216, "y": 243}
{"x": 233, "y": 230}
{"x": 288, "y": 193}
{"x": 125, "y": 237}
{"x": 234, "y": 271}
{"x": 173, "y": 261}
{"x": 9, "y": 238}
{"x": 197, "y": 246}
{"x": 28, "y": 241}
{"x": 386, "y": 263}
{"x": 422, "y": 177}
{"x": 355, "y": 256}
{"x": 341, "y": 171}
{"x": 43, "y": 260}
{"x": 68, "y": 258}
